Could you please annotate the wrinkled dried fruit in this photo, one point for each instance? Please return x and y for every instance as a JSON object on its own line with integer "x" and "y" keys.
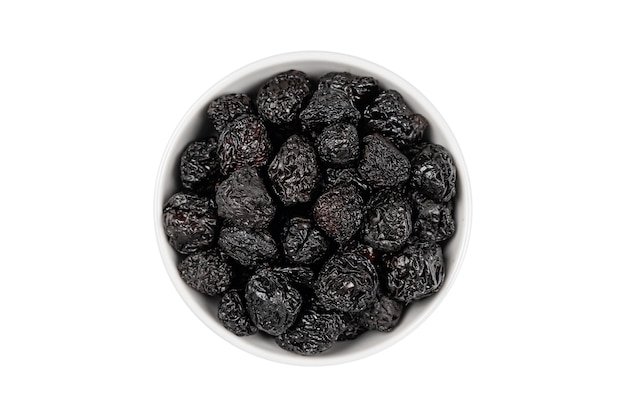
{"x": 415, "y": 272}
{"x": 338, "y": 145}
{"x": 207, "y": 271}
{"x": 243, "y": 199}
{"x": 273, "y": 302}
{"x": 347, "y": 282}
{"x": 382, "y": 164}
{"x": 383, "y": 315}
{"x": 225, "y": 109}
{"x": 390, "y": 116}
{"x": 387, "y": 225}
{"x": 433, "y": 173}
{"x": 282, "y": 97}
{"x": 190, "y": 222}
{"x": 303, "y": 243}
{"x": 247, "y": 246}
{"x": 352, "y": 328}
{"x": 299, "y": 275}
{"x": 232, "y": 312}
{"x": 339, "y": 212}
{"x": 294, "y": 173}
{"x": 345, "y": 176}
{"x": 327, "y": 107}
{"x": 199, "y": 166}
{"x": 313, "y": 333}
{"x": 360, "y": 89}
{"x": 242, "y": 143}
{"x": 433, "y": 221}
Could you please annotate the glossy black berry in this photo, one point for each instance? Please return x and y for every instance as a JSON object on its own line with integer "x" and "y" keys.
{"x": 272, "y": 301}
{"x": 244, "y": 142}
{"x": 338, "y": 145}
{"x": 433, "y": 173}
{"x": 232, "y": 312}
{"x": 382, "y": 164}
{"x": 327, "y": 107}
{"x": 207, "y": 271}
{"x": 294, "y": 173}
{"x": 243, "y": 199}
{"x": 225, "y": 109}
{"x": 434, "y": 221}
{"x": 339, "y": 212}
{"x": 190, "y": 222}
{"x": 360, "y": 89}
{"x": 249, "y": 247}
{"x": 303, "y": 243}
{"x": 387, "y": 225}
{"x": 313, "y": 333}
{"x": 282, "y": 97}
{"x": 390, "y": 116}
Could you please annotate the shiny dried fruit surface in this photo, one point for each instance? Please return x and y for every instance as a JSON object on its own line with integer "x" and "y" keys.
{"x": 294, "y": 173}
{"x": 273, "y": 302}
{"x": 208, "y": 271}
{"x": 327, "y": 107}
{"x": 303, "y": 243}
{"x": 339, "y": 212}
{"x": 382, "y": 164}
{"x": 225, "y": 109}
{"x": 199, "y": 166}
{"x": 313, "y": 333}
{"x": 434, "y": 221}
{"x": 232, "y": 312}
{"x": 390, "y": 116}
{"x": 190, "y": 222}
{"x": 360, "y": 89}
{"x": 383, "y": 315}
{"x": 249, "y": 247}
{"x": 387, "y": 225}
{"x": 244, "y": 142}
{"x": 433, "y": 173}
{"x": 347, "y": 282}
{"x": 338, "y": 145}
{"x": 282, "y": 97}
{"x": 416, "y": 272}
{"x": 243, "y": 199}
{"x": 334, "y": 177}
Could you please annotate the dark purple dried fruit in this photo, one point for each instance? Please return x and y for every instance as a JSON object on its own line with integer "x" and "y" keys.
{"x": 382, "y": 164}
{"x": 199, "y": 166}
{"x": 387, "y": 225}
{"x": 303, "y": 243}
{"x": 360, "y": 89}
{"x": 338, "y": 145}
{"x": 294, "y": 173}
{"x": 190, "y": 222}
{"x": 207, "y": 271}
{"x": 313, "y": 333}
{"x": 334, "y": 177}
{"x": 383, "y": 315}
{"x": 300, "y": 275}
{"x": 433, "y": 221}
{"x": 273, "y": 302}
{"x": 247, "y": 246}
{"x": 327, "y": 107}
{"x": 390, "y": 116}
{"x": 347, "y": 282}
{"x": 282, "y": 97}
{"x": 416, "y": 272}
{"x": 433, "y": 173}
{"x": 225, "y": 109}
{"x": 232, "y": 312}
{"x": 243, "y": 199}
{"x": 339, "y": 212}
{"x": 351, "y": 327}
{"x": 244, "y": 142}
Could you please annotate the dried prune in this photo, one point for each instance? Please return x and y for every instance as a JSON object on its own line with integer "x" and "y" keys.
{"x": 433, "y": 221}
{"x": 389, "y": 115}
{"x": 272, "y": 301}
{"x": 347, "y": 282}
{"x": 199, "y": 166}
{"x": 294, "y": 173}
{"x": 247, "y": 246}
{"x": 300, "y": 275}
{"x": 244, "y": 142}
{"x": 339, "y": 212}
{"x": 382, "y": 164}
{"x": 345, "y": 176}
{"x": 243, "y": 199}
{"x": 387, "y": 225}
{"x": 352, "y": 328}
{"x": 190, "y": 221}
{"x": 416, "y": 272}
{"x": 338, "y": 145}
{"x": 383, "y": 315}
{"x": 313, "y": 333}
{"x": 232, "y": 312}
{"x": 360, "y": 89}
{"x": 303, "y": 243}
{"x": 225, "y": 109}
{"x": 282, "y": 97}
{"x": 327, "y": 107}
{"x": 433, "y": 173}
{"x": 206, "y": 271}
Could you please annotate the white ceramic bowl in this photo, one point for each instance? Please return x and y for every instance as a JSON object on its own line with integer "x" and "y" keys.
{"x": 315, "y": 64}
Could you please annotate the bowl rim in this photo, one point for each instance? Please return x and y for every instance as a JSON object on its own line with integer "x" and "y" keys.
{"x": 298, "y": 57}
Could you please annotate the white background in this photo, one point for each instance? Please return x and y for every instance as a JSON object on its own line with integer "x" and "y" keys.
{"x": 90, "y": 322}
